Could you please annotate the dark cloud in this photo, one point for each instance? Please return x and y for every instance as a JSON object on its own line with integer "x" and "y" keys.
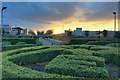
{"x": 48, "y": 12}
{"x": 40, "y": 12}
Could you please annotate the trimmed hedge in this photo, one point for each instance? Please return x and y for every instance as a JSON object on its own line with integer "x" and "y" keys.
{"x": 100, "y": 42}
{"x": 70, "y": 61}
{"x": 81, "y": 40}
{"x": 26, "y": 49}
{"x": 6, "y": 43}
{"x": 79, "y": 68}
{"x": 13, "y": 41}
{"x": 82, "y": 52}
{"x": 11, "y": 47}
{"x": 21, "y": 43}
{"x": 99, "y": 60}
{"x": 36, "y": 56}
{"x": 11, "y": 70}
{"x": 98, "y": 48}
{"x": 111, "y": 55}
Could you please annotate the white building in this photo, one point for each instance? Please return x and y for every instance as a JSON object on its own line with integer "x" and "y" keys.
{"x": 78, "y": 32}
{"x": 19, "y": 31}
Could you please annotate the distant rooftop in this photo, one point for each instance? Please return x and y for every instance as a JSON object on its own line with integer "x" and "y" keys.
{"x": 17, "y": 28}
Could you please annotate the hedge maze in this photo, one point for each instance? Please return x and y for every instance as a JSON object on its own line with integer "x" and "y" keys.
{"x": 75, "y": 61}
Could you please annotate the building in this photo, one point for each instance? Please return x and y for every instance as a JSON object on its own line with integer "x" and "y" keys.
{"x": 7, "y": 29}
{"x": 110, "y": 33}
{"x": 19, "y": 31}
{"x": 78, "y": 32}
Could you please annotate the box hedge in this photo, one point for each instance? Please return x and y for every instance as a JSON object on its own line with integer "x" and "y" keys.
{"x": 99, "y": 60}
{"x": 12, "y": 70}
{"x": 13, "y": 41}
{"x": 79, "y": 68}
{"x": 36, "y": 56}
{"x": 11, "y": 47}
{"x": 111, "y": 55}
{"x": 69, "y": 62}
{"x": 100, "y": 42}
{"x": 81, "y": 40}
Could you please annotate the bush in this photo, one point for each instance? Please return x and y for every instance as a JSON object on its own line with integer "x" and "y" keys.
{"x": 99, "y": 61}
{"x": 113, "y": 45}
{"x": 69, "y": 62}
{"x": 6, "y": 43}
{"x": 21, "y": 43}
{"x": 82, "y": 52}
{"x": 100, "y": 42}
{"x": 81, "y": 40}
{"x": 16, "y": 40}
{"x": 79, "y": 68}
{"x": 26, "y": 49}
{"x": 86, "y": 46}
{"x": 36, "y": 56}
{"x": 98, "y": 48}
{"x": 11, "y": 70}
{"x": 11, "y": 47}
{"x": 111, "y": 56}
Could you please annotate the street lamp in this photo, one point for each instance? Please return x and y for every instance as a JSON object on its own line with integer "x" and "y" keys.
{"x": 114, "y": 22}
{"x": 4, "y": 8}
{"x": 2, "y": 16}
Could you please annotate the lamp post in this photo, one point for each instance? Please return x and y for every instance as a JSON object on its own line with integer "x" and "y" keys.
{"x": 2, "y": 16}
{"x": 114, "y": 13}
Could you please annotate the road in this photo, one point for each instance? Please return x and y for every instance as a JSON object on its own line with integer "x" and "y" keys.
{"x": 50, "y": 42}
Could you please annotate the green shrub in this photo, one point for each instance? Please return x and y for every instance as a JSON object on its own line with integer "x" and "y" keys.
{"x": 79, "y": 68}
{"x": 99, "y": 61}
{"x": 36, "y": 56}
{"x": 16, "y": 40}
{"x": 21, "y": 43}
{"x": 69, "y": 62}
{"x": 81, "y": 40}
{"x": 111, "y": 56}
{"x": 11, "y": 47}
{"x": 100, "y": 42}
{"x": 6, "y": 43}
{"x": 11, "y": 70}
{"x": 75, "y": 46}
{"x": 86, "y": 46}
{"x": 113, "y": 44}
{"x": 98, "y": 48}
{"x": 82, "y": 52}
{"x": 26, "y": 49}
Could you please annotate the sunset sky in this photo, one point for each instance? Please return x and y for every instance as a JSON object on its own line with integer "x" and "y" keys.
{"x": 60, "y": 16}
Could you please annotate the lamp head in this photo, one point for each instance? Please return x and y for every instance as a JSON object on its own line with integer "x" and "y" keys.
{"x": 114, "y": 12}
{"x": 4, "y": 8}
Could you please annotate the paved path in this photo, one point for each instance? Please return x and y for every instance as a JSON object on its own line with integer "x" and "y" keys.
{"x": 49, "y": 42}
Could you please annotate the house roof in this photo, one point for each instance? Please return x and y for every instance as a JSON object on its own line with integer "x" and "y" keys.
{"x": 17, "y": 28}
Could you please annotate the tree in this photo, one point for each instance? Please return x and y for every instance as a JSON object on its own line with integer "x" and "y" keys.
{"x": 69, "y": 32}
{"x": 31, "y": 32}
{"x": 40, "y": 32}
{"x": 105, "y": 33}
{"x": 49, "y": 32}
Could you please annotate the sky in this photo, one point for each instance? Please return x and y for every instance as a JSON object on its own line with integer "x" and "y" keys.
{"x": 59, "y": 16}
